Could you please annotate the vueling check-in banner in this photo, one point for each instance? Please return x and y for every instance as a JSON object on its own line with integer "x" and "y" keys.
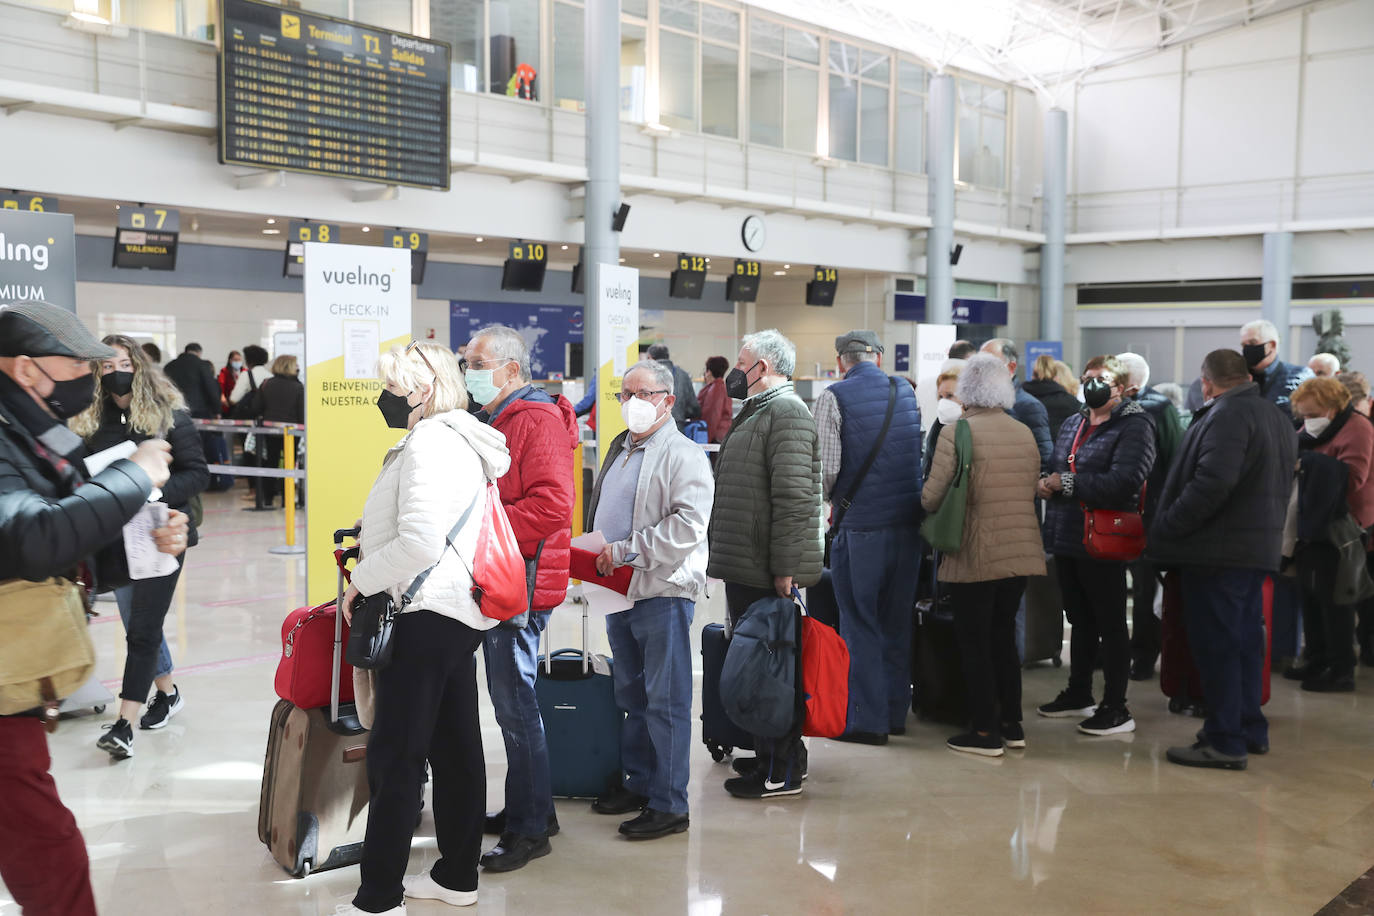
{"x": 617, "y": 347}
{"x": 357, "y": 304}
{"x": 37, "y": 257}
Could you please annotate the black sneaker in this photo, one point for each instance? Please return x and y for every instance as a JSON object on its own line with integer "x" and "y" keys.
{"x": 1142, "y": 670}
{"x": 621, "y": 801}
{"x": 974, "y": 743}
{"x": 1331, "y": 681}
{"x": 1013, "y": 735}
{"x": 745, "y": 766}
{"x": 514, "y": 851}
{"x": 1108, "y": 720}
{"x": 162, "y": 708}
{"x": 756, "y": 785}
{"x": 118, "y": 740}
{"x": 1067, "y": 706}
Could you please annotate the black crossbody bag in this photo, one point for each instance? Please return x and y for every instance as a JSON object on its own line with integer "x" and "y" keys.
{"x": 843, "y": 503}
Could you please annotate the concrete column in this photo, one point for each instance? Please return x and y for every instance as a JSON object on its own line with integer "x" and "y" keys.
{"x": 1276, "y": 287}
{"x": 601, "y": 244}
{"x": 1052, "y": 224}
{"x": 940, "y": 166}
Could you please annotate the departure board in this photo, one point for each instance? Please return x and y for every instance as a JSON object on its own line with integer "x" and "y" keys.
{"x": 309, "y": 93}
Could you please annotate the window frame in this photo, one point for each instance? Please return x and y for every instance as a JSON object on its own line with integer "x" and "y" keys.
{"x": 860, "y": 48}
{"x": 924, "y": 95}
{"x": 982, "y": 113}
{"x": 819, "y": 69}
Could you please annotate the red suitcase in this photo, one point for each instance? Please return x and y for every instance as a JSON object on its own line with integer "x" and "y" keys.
{"x": 1178, "y": 676}
{"x": 307, "y": 650}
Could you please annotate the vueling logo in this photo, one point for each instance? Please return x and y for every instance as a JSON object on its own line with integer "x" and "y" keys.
{"x": 290, "y": 26}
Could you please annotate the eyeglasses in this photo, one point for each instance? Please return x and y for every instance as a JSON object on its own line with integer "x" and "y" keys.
{"x": 644, "y": 394}
{"x": 464, "y": 363}
{"x": 415, "y": 347}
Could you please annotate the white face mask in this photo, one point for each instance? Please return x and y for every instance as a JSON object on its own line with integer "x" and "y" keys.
{"x": 1315, "y": 426}
{"x": 639, "y": 415}
{"x": 948, "y": 411}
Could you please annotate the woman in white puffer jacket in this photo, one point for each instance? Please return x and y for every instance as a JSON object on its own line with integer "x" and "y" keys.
{"x": 426, "y": 698}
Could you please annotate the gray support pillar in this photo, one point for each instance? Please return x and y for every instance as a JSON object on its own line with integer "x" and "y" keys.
{"x": 940, "y": 166}
{"x": 1276, "y": 287}
{"x": 1052, "y": 224}
{"x": 601, "y": 244}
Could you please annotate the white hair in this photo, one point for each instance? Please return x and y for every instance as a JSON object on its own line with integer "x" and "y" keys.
{"x": 770, "y": 346}
{"x": 1137, "y": 370}
{"x": 1262, "y": 328}
{"x": 1332, "y": 364}
{"x": 661, "y": 374}
{"x": 953, "y": 364}
{"x": 985, "y": 383}
{"x": 506, "y": 343}
{"x": 1172, "y": 391}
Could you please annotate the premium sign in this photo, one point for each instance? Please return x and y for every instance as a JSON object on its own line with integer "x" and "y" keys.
{"x": 37, "y": 257}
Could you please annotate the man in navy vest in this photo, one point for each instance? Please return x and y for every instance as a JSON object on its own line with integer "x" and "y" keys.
{"x": 872, "y": 556}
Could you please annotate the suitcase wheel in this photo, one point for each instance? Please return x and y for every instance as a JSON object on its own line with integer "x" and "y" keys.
{"x": 1058, "y": 661}
{"x": 718, "y": 752}
{"x": 99, "y": 709}
{"x": 305, "y": 868}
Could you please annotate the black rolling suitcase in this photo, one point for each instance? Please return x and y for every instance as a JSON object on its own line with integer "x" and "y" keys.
{"x": 720, "y": 735}
{"x": 937, "y": 689}
{"x": 582, "y": 724}
{"x": 1044, "y": 618}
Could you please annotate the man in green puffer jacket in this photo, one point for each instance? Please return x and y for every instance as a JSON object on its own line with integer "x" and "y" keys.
{"x": 765, "y": 531}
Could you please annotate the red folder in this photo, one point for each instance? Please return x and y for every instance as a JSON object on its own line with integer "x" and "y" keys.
{"x": 583, "y": 566}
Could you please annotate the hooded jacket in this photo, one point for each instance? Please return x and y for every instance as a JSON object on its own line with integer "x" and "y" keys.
{"x": 537, "y": 491}
{"x": 428, "y": 480}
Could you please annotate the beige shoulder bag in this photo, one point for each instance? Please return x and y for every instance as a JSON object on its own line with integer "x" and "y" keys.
{"x": 46, "y": 652}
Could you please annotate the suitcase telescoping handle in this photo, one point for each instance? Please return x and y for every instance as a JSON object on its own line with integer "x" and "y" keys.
{"x": 343, "y": 556}
{"x": 586, "y": 653}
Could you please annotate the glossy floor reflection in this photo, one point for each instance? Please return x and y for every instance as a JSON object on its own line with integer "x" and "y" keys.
{"x": 1070, "y": 825}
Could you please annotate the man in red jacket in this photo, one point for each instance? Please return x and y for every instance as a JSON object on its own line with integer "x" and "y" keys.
{"x": 537, "y": 493}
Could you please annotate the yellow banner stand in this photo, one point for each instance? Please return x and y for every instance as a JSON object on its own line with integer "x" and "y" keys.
{"x": 357, "y": 304}
{"x": 617, "y": 348}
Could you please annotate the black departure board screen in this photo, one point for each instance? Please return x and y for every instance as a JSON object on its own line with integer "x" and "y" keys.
{"x": 310, "y": 93}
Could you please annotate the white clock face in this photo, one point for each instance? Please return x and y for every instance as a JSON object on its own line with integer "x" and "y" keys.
{"x": 753, "y": 233}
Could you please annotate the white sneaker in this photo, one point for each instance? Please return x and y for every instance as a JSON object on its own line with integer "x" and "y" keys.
{"x": 423, "y": 887}
{"x": 351, "y": 910}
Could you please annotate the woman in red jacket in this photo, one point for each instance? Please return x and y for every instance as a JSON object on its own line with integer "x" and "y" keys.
{"x": 1332, "y": 426}
{"x": 228, "y": 376}
{"x": 716, "y": 407}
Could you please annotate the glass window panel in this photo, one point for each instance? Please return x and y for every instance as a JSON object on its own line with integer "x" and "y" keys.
{"x": 679, "y": 14}
{"x": 910, "y": 127}
{"x": 844, "y": 59}
{"x": 911, "y": 76}
{"x": 632, "y": 72}
{"x": 765, "y": 36}
{"x": 677, "y": 80}
{"x": 765, "y": 100}
{"x": 976, "y": 289}
{"x": 638, "y": 8}
{"x": 720, "y": 24}
{"x": 388, "y": 14}
{"x": 803, "y": 46}
{"x": 872, "y": 124}
{"x": 459, "y": 22}
{"x": 968, "y": 145}
{"x": 995, "y": 99}
{"x": 514, "y": 42}
{"x": 568, "y": 55}
{"x": 875, "y": 66}
{"x": 990, "y": 152}
{"x": 803, "y": 108}
{"x": 844, "y": 116}
{"x": 719, "y": 90}
{"x": 970, "y": 93}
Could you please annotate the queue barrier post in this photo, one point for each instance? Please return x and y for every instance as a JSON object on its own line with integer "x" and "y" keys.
{"x": 288, "y": 451}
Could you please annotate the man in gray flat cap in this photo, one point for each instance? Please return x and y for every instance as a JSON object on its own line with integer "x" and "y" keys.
{"x": 870, "y": 439}
{"x": 53, "y": 519}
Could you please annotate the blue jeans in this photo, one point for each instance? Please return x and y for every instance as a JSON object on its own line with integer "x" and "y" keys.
{"x": 651, "y": 645}
{"x": 511, "y": 660}
{"x": 1223, "y": 611}
{"x": 875, "y": 587}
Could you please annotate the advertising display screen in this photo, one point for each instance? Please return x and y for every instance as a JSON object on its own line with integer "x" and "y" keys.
{"x": 310, "y": 93}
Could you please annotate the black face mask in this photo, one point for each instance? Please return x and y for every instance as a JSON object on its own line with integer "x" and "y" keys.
{"x": 70, "y": 397}
{"x": 395, "y": 409}
{"x": 1254, "y": 354}
{"x": 737, "y": 382}
{"x": 1096, "y": 392}
{"x": 118, "y": 383}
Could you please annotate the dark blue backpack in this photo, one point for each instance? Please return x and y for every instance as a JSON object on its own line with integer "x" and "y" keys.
{"x": 758, "y": 684}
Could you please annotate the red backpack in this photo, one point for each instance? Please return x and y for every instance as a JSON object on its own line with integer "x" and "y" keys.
{"x": 825, "y": 678}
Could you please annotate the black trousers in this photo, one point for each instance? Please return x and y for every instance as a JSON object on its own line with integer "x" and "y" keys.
{"x": 1095, "y": 603}
{"x": 426, "y": 709}
{"x": 1144, "y": 624}
{"x": 985, "y": 625}
{"x": 273, "y": 487}
{"x": 151, "y": 598}
{"x": 1327, "y": 627}
{"x": 783, "y": 754}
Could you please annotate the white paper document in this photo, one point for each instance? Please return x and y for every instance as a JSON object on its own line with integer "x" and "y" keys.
{"x": 592, "y": 542}
{"x": 362, "y": 346}
{"x": 145, "y": 560}
{"x": 603, "y": 601}
{"x": 101, "y": 460}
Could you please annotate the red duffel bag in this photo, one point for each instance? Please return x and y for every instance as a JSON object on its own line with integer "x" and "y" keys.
{"x": 825, "y": 679}
{"x": 307, "y": 651}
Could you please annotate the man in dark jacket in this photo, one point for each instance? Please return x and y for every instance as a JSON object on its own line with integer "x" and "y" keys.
{"x": 1026, "y": 409}
{"x": 196, "y": 379}
{"x": 765, "y": 531}
{"x": 537, "y": 494}
{"x": 1144, "y": 583}
{"x": 1221, "y": 523}
{"x": 52, "y": 518}
{"x": 874, "y": 524}
{"x": 686, "y": 408}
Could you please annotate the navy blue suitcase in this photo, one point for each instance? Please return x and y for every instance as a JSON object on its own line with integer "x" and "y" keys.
{"x": 582, "y": 724}
{"x": 720, "y": 735}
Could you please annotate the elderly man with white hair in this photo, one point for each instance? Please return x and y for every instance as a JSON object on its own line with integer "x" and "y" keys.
{"x": 765, "y": 532}
{"x": 1145, "y": 637}
{"x": 1259, "y": 344}
{"x": 1324, "y": 365}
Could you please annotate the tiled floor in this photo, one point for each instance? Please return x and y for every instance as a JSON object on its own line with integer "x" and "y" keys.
{"x": 1071, "y": 825}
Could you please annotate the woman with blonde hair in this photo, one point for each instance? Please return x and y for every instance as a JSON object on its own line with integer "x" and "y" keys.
{"x": 134, "y": 402}
{"x": 425, "y": 702}
{"x": 283, "y": 401}
{"x": 1046, "y": 388}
